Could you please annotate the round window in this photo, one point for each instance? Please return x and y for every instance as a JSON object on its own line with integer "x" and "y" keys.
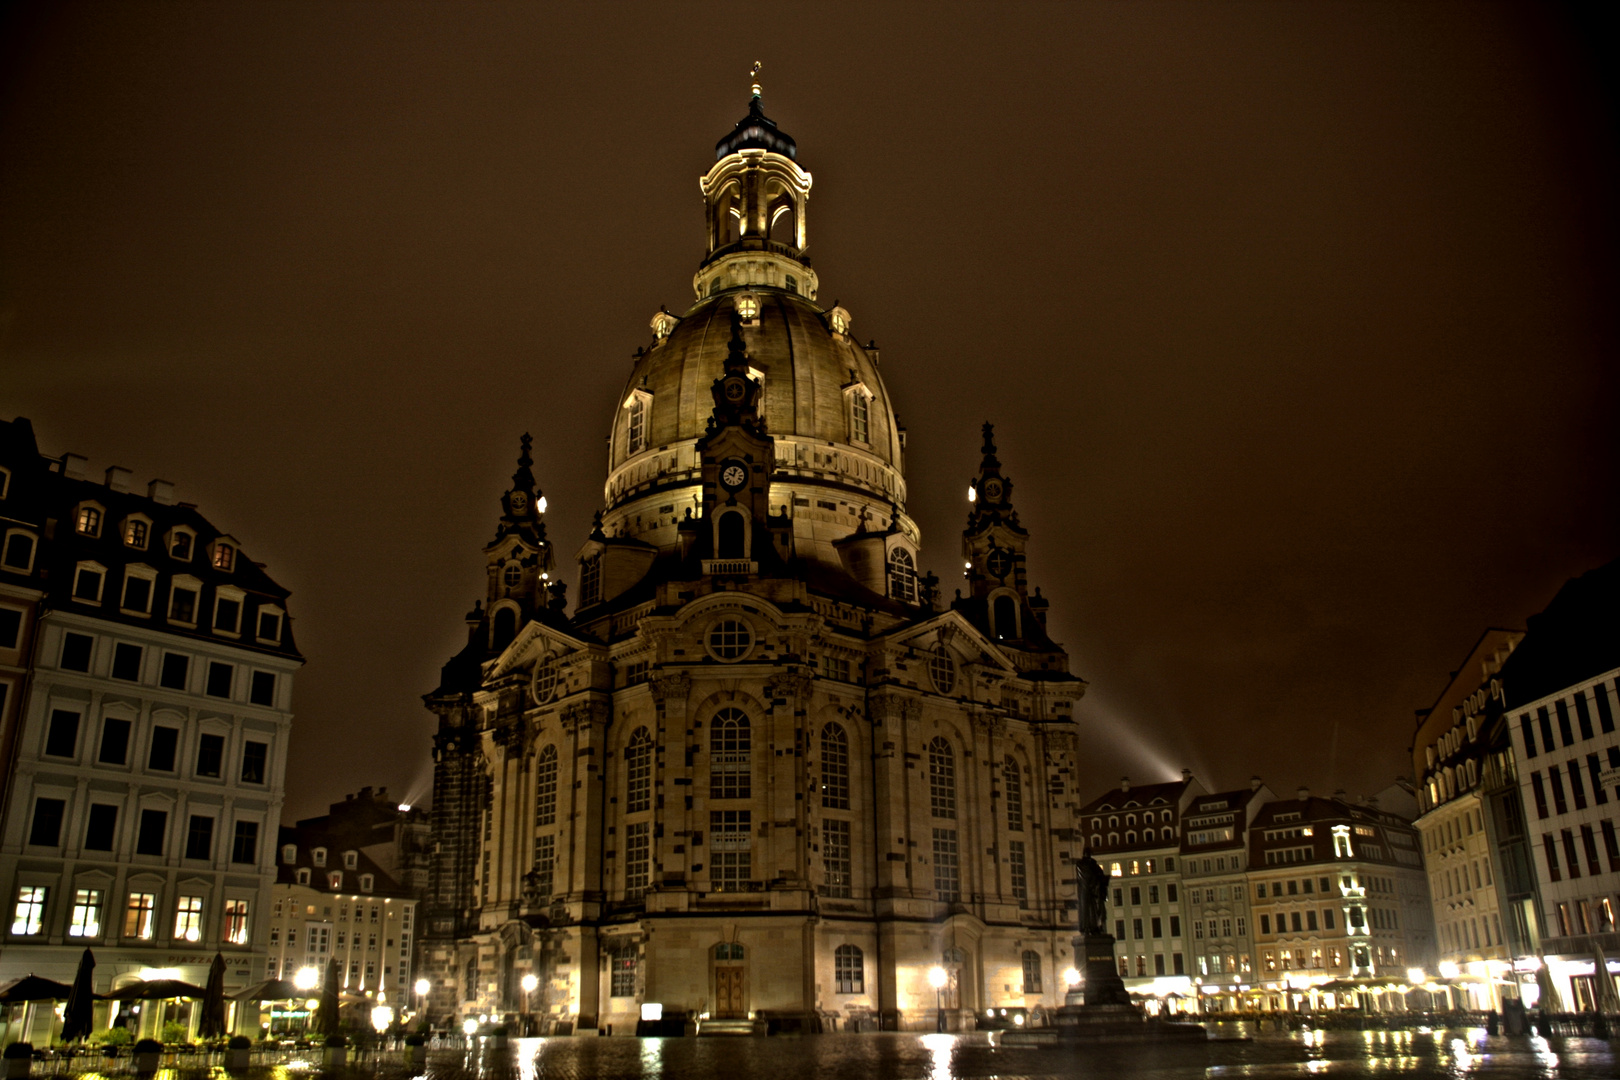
{"x": 730, "y": 639}
{"x": 513, "y": 576}
{"x": 545, "y": 681}
{"x": 942, "y": 670}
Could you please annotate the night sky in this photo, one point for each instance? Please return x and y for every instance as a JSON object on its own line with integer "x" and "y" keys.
{"x": 1296, "y": 321}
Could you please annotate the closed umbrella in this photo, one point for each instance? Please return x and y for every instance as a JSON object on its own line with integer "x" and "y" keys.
{"x": 211, "y": 1024}
{"x": 328, "y": 1021}
{"x": 79, "y": 1016}
{"x": 1550, "y": 1001}
{"x": 1607, "y": 1002}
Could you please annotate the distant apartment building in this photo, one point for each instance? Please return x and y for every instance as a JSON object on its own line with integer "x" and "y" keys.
{"x": 334, "y": 902}
{"x": 1339, "y": 894}
{"x": 1562, "y": 700}
{"x": 1135, "y": 833}
{"x": 146, "y": 667}
{"x": 1472, "y": 828}
{"x": 1214, "y": 846}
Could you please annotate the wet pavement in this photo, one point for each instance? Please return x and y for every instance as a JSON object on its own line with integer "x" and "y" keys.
{"x": 892, "y": 1056}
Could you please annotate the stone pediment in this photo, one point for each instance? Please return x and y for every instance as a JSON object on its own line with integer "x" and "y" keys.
{"x": 965, "y": 641}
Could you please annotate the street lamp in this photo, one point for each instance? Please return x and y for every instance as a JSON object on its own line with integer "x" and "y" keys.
{"x": 530, "y": 983}
{"x": 936, "y": 979}
{"x": 306, "y": 978}
{"x": 422, "y": 987}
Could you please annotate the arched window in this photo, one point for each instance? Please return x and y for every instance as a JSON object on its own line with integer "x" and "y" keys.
{"x": 638, "y": 758}
{"x": 902, "y": 576}
{"x": 1147, "y": 836}
{"x": 860, "y": 417}
{"x": 512, "y": 575}
{"x": 728, "y": 950}
{"x": 834, "y": 767}
{"x": 730, "y": 536}
{"x": 505, "y": 628}
{"x": 1012, "y": 790}
{"x": 729, "y": 745}
{"x": 849, "y": 970}
{"x": 1005, "y": 614}
{"x": 590, "y": 580}
{"x": 1032, "y": 971}
{"x": 942, "y": 669}
{"x": 545, "y": 787}
{"x": 941, "y": 779}
{"x": 635, "y": 429}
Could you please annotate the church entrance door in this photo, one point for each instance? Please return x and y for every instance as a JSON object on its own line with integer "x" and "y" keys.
{"x": 728, "y": 993}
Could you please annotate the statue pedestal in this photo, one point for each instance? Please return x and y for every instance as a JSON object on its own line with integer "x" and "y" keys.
{"x": 1100, "y": 1007}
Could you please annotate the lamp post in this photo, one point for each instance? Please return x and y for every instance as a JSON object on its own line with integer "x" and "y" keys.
{"x": 530, "y": 983}
{"x": 422, "y": 987}
{"x": 936, "y": 978}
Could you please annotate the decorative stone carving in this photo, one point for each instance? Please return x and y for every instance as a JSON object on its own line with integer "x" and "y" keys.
{"x": 667, "y": 687}
{"x": 787, "y": 684}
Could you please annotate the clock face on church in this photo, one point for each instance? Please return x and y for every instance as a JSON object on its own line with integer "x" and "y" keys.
{"x": 734, "y": 390}
{"x": 1000, "y": 562}
{"x": 992, "y": 489}
{"x": 733, "y": 475}
{"x": 519, "y": 502}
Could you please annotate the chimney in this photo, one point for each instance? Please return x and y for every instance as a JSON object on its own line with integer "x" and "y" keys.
{"x": 1303, "y": 793}
{"x": 1186, "y": 775}
{"x": 1254, "y": 783}
{"x": 73, "y": 466}
{"x": 1339, "y": 794}
{"x": 160, "y": 491}
{"x": 118, "y": 477}
{"x": 1124, "y": 783}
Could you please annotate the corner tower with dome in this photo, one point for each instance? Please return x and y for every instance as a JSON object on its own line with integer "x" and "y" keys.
{"x": 762, "y": 777}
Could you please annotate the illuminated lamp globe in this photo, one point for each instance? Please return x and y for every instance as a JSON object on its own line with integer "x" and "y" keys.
{"x": 936, "y": 977}
{"x": 1071, "y": 976}
{"x": 530, "y": 983}
{"x": 1449, "y": 969}
{"x": 422, "y": 987}
{"x": 469, "y": 1026}
{"x": 306, "y": 978}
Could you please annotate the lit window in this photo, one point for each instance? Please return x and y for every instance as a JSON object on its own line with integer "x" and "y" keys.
{"x": 29, "y": 915}
{"x": 188, "y": 918}
{"x": 224, "y": 557}
{"x": 135, "y": 531}
{"x": 86, "y": 918}
{"x": 139, "y": 915}
{"x": 89, "y": 521}
{"x": 236, "y": 922}
{"x": 747, "y": 307}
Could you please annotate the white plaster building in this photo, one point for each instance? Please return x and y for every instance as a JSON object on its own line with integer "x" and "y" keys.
{"x": 146, "y": 784}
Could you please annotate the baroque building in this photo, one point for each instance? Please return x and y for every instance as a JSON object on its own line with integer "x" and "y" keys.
{"x": 762, "y": 775}
{"x": 146, "y": 690}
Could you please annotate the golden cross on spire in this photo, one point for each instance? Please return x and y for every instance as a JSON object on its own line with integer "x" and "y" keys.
{"x": 753, "y": 73}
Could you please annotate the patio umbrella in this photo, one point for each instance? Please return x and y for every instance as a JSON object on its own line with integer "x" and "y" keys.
{"x": 1550, "y": 1001}
{"x": 211, "y": 1024}
{"x": 328, "y": 1021}
{"x": 34, "y": 988}
{"x": 156, "y": 990}
{"x": 1607, "y": 1002}
{"x": 79, "y": 1015}
{"x": 269, "y": 990}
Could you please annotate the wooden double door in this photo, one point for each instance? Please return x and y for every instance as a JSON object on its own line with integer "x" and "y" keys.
{"x": 729, "y": 1002}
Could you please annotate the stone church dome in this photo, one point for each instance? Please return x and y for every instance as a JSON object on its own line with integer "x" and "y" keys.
{"x": 839, "y": 449}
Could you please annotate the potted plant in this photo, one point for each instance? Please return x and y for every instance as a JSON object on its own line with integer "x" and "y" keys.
{"x": 147, "y": 1054}
{"x": 19, "y": 1058}
{"x": 336, "y": 1054}
{"x": 416, "y": 1049}
{"x": 236, "y": 1052}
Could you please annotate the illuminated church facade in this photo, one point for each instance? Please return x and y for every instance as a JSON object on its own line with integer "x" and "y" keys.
{"x": 762, "y": 774}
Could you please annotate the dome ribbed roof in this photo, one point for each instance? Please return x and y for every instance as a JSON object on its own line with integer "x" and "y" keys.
{"x": 756, "y": 131}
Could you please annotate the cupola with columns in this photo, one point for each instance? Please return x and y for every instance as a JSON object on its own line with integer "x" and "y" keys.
{"x": 755, "y": 198}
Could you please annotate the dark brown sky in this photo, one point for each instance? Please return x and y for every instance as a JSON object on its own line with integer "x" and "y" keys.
{"x": 1297, "y": 321}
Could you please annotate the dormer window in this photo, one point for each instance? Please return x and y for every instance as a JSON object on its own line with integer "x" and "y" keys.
{"x": 269, "y": 630}
{"x": 88, "y": 578}
{"x": 183, "y": 595}
{"x": 19, "y": 550}
{"x": 318, "y": 856}
{"x": 88, "y": 522}
{"x": 351, "y": 860}
{"x": 748, "y": 308}
{"x": 367, "y": 882}
{"x": 228, "y": 610}
{"x": 224, "y": 557}
{"x": 662, "y": 324}
{"x": 140, "y": 582}
{"x": 334, "y": 880}
{"x": 289, "y": 853}
{"x": 181, "y": 542}
{"x": 902, "y": 576}
{"x": 136, "y": 530}
{"x": 838, "y": 318}
{"x": 303, "y": 875}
